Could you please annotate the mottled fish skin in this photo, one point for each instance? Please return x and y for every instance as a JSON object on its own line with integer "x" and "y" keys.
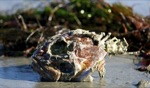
{"x": 73, "y": 55}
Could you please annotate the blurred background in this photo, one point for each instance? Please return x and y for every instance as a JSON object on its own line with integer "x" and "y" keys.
{"x": 6, "y": 6}
{"x": 24, "y": 24}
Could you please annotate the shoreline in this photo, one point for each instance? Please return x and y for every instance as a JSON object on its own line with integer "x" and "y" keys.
{"x": 120, "y": 73}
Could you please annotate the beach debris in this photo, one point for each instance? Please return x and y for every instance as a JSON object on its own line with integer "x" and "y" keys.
{"x": 116, "y": 46}
{"x": 72, "y": 55}
{"x": 144, "y": 61}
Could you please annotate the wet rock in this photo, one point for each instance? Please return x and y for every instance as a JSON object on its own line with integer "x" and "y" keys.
{"x": 72, "y": 55}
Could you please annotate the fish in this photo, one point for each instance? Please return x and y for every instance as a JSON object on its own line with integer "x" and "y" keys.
{"x": 71, "y": 56}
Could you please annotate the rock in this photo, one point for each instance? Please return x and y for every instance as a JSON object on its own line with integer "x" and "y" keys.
{"x": 73, "y": 55}
{"x": 143, "y": 84}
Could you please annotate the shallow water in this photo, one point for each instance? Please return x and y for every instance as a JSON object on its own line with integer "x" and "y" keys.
{"x": 120, "y": 73}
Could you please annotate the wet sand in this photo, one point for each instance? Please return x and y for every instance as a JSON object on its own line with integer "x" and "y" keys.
{"x": 120, "y": 73}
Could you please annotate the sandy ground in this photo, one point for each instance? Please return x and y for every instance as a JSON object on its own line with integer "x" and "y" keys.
{"x": 120, "y": 73}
